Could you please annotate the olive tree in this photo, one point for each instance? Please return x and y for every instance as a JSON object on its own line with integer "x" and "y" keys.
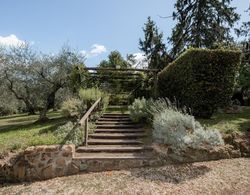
{"x": 19, "y": 76}
{"x": 53, "y": 73}
{"x": 35, "y": 78}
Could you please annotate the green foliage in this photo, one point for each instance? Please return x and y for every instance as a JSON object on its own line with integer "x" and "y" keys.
{"x": 35, "y": 78}
{"x": 89, "y": 96}
{"x": 153, "y": 46}
{"x": 79, "y": 77}
{"x": 244, "y": 73}
{"x": 73, "y": 108}
{"x": 69, "y": 133}
{"x": 200, "y": 79}
{"x": 115, "y": 60}
{"x": 201, "y": 23}
{"x": 119, "y": 99}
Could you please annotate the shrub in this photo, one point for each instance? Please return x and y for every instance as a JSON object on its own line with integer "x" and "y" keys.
{"x": 138, "y": 110}
{"x": 89, "y": 96}
{"x": 69, "y": 133}
{"x": 181, "y": 131}
{"x": 201, "y": 79}
{"x": 73, "y": 108}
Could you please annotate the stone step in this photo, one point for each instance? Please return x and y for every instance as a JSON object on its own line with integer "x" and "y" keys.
{"x": 114, "y": 142}
{"x": 113, "y": 149}
{"x": 117, "y": 135}
{"x": 111, "y": 156}
{"x": 115, "y": 116}
{"x": 118, "y": 126}
{"x": 115, "y": 122}
{"x": 114, "y": 119}
{"x": 119, "y": 130}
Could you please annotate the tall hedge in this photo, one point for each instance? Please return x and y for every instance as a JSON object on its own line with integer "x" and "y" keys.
{"x": 200, "y": 79}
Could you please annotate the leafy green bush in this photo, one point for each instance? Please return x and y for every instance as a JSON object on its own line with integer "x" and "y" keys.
{"x": 138, "y": 110}
{"x": 73, "y": 108}
{"x": 180, "y": 130}
{"x": 201, "y": 79}
{"x": 89, "y": 96}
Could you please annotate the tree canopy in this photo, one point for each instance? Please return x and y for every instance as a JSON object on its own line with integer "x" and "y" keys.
{"x": 201, "y": 23}
{"x": 153, "y": 47}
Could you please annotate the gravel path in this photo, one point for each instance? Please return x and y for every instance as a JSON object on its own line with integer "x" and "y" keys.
{"x": 214, "y": 177}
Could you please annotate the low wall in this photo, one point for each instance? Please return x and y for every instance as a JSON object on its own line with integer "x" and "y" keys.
{"x": 37, "y": 163}
{"x": 45, "y": 162}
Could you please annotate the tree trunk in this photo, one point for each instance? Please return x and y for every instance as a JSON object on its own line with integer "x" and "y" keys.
{"x": 50, "y": 102}
{"x": 43, "y": 115}
{"x": 30, "y": 108}
{"x": 31, "y": 111}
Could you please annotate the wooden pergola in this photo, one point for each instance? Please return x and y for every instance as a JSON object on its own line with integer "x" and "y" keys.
{"x": 127, "y": 71}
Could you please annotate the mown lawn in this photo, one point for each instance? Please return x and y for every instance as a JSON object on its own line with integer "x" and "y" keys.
{"x": 228, "y": 123}
{"x": 20, "y": 131}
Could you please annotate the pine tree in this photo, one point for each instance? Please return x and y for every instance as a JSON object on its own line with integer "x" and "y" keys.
{"x": 153, "y": 46}
{"x": 244, "y": 30}
{"x": 115, "y": 60}
{"x": 201, "y": 23}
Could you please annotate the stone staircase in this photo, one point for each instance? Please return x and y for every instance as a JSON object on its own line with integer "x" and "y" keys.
{"x": 117, "y": 143}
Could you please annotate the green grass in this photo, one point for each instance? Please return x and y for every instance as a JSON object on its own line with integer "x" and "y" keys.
{"x": 20, "y": 131}
{"x": 227, "y": 123}
{"x": 117, "y": 109}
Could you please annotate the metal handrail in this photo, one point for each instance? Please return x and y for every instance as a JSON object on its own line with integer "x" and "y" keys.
{"x": 84, "y": 120}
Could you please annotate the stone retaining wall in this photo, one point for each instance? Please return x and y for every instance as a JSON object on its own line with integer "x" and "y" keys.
{"x": 45, "y": 162}
{"x": 37, "y": 163}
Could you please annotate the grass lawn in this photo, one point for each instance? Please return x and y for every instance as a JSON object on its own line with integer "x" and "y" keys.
{"x": 20, "y": 131}
{"x": 227, "y": 123}
{"x": 117, "y": 109}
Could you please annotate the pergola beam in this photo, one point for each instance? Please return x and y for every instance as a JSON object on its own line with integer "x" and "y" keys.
{"x": 122, "y": 69}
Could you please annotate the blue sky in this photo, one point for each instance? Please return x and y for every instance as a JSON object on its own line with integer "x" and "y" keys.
{"x": 94, "y": 27}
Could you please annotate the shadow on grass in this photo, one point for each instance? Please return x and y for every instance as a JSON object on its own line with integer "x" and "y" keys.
{"x": 172, "y": 174}
{"x": 54, "y": 122}
{"x": 15, "y": 116}
{"x": 27, "y": 118}
{"x": 241, "y": 119}
{"x": 72, "y": 131}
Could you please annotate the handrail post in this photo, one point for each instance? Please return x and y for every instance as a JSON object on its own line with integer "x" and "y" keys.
{"x": 86, "y": 131}
{"x": 85, "y": 119}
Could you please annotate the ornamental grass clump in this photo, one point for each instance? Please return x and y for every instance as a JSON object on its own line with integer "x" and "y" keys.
{"x": 73, "y": 107}
{"x": 178, "y": 129}
{"x": 90, "y": 95}
{"x": 138, "y": 111}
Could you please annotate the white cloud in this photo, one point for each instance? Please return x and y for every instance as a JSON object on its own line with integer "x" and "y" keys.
{"x": 10, "y": 40}
{"x": 140, "y": 61}
{"x": 96, "y": 50}
{"x": 83, "y": 52}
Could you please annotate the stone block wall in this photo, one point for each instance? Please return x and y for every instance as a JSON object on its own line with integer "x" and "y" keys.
{"x": 38, "y": 163}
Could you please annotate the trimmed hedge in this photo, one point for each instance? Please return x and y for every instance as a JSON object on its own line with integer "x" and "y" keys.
{"x": 200, "y": 79}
